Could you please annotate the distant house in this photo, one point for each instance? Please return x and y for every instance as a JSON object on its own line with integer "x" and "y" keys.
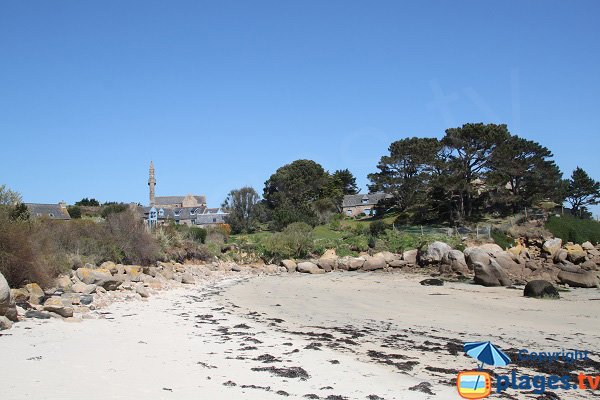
{"x": 355, "y": 204}
{"x": 180, "y": 201}
{"x": 50, "y": 211}
{"x": 199, "y": 216}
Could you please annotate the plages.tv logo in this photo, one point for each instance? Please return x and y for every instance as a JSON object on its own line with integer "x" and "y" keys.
{"x": 478, "y": 384}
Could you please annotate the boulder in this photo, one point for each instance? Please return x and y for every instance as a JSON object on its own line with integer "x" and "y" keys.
{"x": 437, "y": 251}
{"x": 327, "y": 264}
{"x": 568, "y": 267}
{"x": 397, "y": 263}
{"x": 134, "y": 273}
{"x": 350, "y": 263}
{"x": 20, "y": 295}
{"x": 109, "y": 266}
{"x": 518, "y": 249}
{"x": 330, "y": 253}
{"x": 491, "y": 275}
{"x": 309, "y": 268}
{"x": 540, "y": 289}
{"x": 81, "y": 287}
{"x": 588, "y": 246}
{"x": 36, "y": 294}
{"x": 86, "y": 299}
{"x": 55, "y": 305}
{"x": 388, "y": 256}
{"x": 7, "y": 305}
{"x": 490, "y": 248}
{"x": 589, "y": 265}
{"x": 63, "y": 283}
{"x": 432, "y": 282}
{"x": 585, "y": 279}
{"x": 560, "y": 255}
{"x": 575, "y": 253}
{"x": 69, "y": 299}
{"x": 142, "y": 291}
{"x": 475, "y": 255}
{"x": 374, "y": 263}
{"x": 167, "y": 272}
{"x": 290, "y": 265}
{"x": 37, "y": 314}
{"x": 552, "y": 246}
{"x": 187, "y": 278}
{"x": 5, "y": 323}
{"x": 410, "y": 256}
{"x": 456, "y": 260}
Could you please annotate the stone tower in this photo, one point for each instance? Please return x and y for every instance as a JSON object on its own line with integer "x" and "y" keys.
{"x": 151, "y": 183}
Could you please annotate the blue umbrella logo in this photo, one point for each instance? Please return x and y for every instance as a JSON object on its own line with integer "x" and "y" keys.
{"x": 486, "y": 353}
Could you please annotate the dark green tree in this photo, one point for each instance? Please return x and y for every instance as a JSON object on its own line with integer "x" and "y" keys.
{"x": 88, "y": 202}
{"x": 241, "y": 205}
{"x": 19, "y": 213}
{"x": 583, "y": 191}
{"x": 74, "y": 211}
{"x": 291, "y": 191}
{"x": 470, "y": 150}
{"x": 524, "y": 174}
{"x": 405, "y": 172}
{"x": 345, "y": 180}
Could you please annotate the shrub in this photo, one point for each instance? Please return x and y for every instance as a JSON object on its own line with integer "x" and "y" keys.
{"x": 74, "y": 211}
{"x": 197, "y": 234}
{"x": 296, "y": 240}
{"x": 378, "y": 227}
{"x": 113, "y": 208}
{"x": 573, "y": 229}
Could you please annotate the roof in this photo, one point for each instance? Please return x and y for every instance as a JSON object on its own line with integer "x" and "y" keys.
{"x": 52, "y": 211}
{"x": 169, "y": 200}
{"x": 207, "y": 219}
{"x": 371, "y": 199}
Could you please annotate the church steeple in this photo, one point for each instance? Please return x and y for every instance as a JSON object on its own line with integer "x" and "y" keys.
{"x": 151, "y": 183}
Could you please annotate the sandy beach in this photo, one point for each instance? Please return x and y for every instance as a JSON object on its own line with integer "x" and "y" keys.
{"x": 335, "y": 336}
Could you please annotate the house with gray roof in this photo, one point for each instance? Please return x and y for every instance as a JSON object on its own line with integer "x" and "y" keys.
{"x": 356, "y": 204}
{"x": 50, "y": 211}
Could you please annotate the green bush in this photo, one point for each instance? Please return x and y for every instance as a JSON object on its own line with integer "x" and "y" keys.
{"x": 378, "y": 228}
{"x": 573, "y": 229}
{"x": 74, "y": 211}
{"x": 295, "y": 241}
{"x": 502, "y": 240}
{"x": 197, "y": 234}
{"x": 112, "y": 208}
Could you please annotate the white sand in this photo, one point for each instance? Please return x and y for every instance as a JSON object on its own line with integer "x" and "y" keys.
{"x": 156, "y": 345}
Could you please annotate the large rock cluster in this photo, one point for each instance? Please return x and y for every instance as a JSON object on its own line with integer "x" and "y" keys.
{"x": 329, "y": 262}
{"x": 91, "y": 287}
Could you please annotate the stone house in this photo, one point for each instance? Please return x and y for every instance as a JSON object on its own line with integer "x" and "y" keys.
{"x": 356, "y": 204}
{"x": 50, "y": 211}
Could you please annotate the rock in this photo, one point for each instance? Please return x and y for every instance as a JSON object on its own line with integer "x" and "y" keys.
{"x": 37, "y": 314}
{"x": 589, "y": 265}
{"x": 517, "y": 250}
{"x": 142, "y": 291}
{"x": 397, "y": 263}
{"x": 456, "y": 260}
{"x": 290, "y": 265}
{"x": 475, "y": 255}
{"x": 432, "y": 282}
{"x": 350, "y": 263}
{"x": 187, "y": 278}
{"x": 374, "y": 263}
{"x": 568, "y": 267}
{"x": 310, "y": 268}
{"x": 576, "y": 254}
{"x": 388, "y": 256}
{"x": 167, "y": 272}
{"x": 5, "y": 323}
{"x": 329, "y": 254}
{"x": 491, "y": 275}
{"x": 134, "y": 273}
{"x": 587, "y": 246}
{"x": 437, "y": 251}
{"x": 86, "y": 299}
{"x": 585, "y": 279}
{"x": 327, "y": 264}
{"x": 109, "y": 266}
{"x": 55, "y": 305}
{"x": 540, "y": 290}
{"x": 98, "y": 276}
{"x": 7, "y": 304}
{"x": 36, "y": 294}
{"x": 490, "y": 248}
{"x": 63, "y": 283}
{"x": 20, "y": 295}
{"x": 560, "y": 255}
{"x": 552, "y": 246}
{"x": 68, "y": 299}
{"x": 410, "y": 256}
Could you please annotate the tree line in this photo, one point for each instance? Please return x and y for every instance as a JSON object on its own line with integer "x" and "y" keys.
{"x": 473, "y": 171}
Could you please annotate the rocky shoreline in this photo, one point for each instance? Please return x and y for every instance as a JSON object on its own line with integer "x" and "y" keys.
{"x": 90, "y": 288}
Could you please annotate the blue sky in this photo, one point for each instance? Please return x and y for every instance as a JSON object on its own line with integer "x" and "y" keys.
{"x": 221, "y": 94}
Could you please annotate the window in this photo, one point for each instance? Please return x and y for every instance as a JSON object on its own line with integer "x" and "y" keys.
{"x": 51, "y": 215}
{"x": 176, "y": 212}
{"x": 365, "y": 200}
{"x": 367, "y": 211}
{"x": 214, "y": 220}
{"x": 193, "y": 211}
{"x": 161, "y": 213}
{"x": 348, "y": 212}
